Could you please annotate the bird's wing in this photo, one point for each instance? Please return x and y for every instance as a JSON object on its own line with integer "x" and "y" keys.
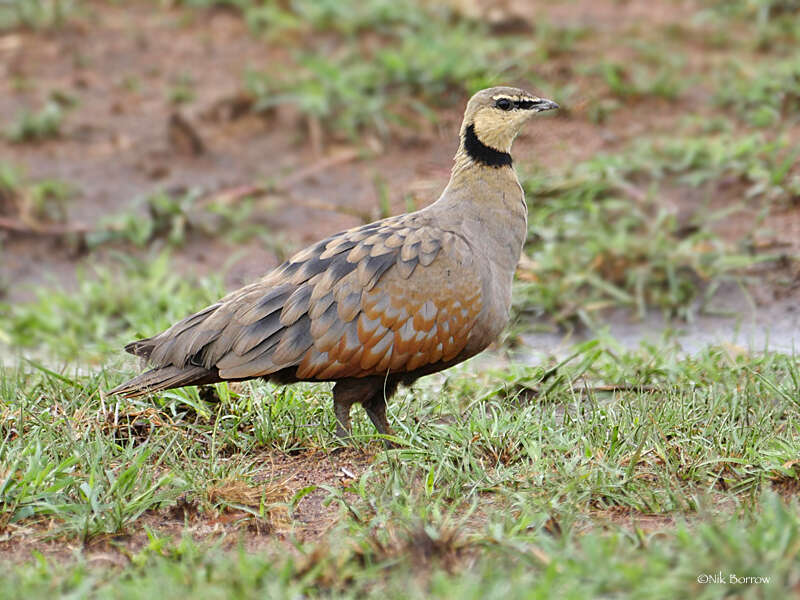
{"x": 394, "y": 295}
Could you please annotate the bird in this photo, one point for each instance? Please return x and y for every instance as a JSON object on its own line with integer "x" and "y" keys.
{"x": 377, "y": 305}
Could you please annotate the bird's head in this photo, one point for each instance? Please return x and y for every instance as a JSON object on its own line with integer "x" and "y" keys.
{"x": 494, "y": 117}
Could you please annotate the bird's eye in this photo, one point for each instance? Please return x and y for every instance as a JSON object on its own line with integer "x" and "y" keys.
{"x": 504, "y": 104}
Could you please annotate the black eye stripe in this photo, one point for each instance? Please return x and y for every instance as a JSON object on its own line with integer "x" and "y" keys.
{"x": 504, "y": 103}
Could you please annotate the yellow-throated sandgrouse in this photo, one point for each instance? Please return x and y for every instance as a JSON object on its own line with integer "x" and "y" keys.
{"x": 377, "y": 305}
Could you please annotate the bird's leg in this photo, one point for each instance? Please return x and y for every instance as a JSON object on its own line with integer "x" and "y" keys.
{"x": 372, "y": 393}
{"x": 375, "y": 406}
{"x": 343, "y": 400}
{"x": 342, "y": 412}
{"x": 376, "y": 411}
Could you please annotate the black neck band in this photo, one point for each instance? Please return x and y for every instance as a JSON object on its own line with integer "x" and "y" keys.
{"x": 481, "y": 153}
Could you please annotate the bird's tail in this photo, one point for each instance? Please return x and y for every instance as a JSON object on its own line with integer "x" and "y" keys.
{"x": 164, "y": 378}
{"x": 143, "y": 348}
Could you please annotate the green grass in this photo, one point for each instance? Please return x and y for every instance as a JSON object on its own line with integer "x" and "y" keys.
{"x": 765, "y": 167}
{"x": 602, "y": 236}
{"x": 532, "y": 564}
{"x": 383, "y": 66}
{"x": 762, "y": 94}
{"x": 112, "y": 303}
{"x": 30, "y": 126}
{"x": 34, "y": 201}
{"x": 653, "y": 73}
{"x": 182, "y": 89}
{"x": 173, "y": 218}
{"x": 526, "y": 480}
{"x": 760, "y": 11}
{"x": 278, "y": 19}
{"x": 386, "y": 67}
{"x": 35, "y": 14}
{"x": 764, "y": 26}
{"x": 433, "y": 67}
{"x": 512, "y": 474}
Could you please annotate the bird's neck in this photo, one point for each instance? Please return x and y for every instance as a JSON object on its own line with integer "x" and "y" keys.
{"x": 487, "y": 198}
{"x": 477, "y": 158}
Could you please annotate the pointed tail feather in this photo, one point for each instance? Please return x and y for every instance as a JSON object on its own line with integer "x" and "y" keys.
{"x": 165, "y": 378}
{"x": 143, "y": 348}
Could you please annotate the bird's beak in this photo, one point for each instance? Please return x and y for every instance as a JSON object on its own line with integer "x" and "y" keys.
{"x": 544, "y": 104}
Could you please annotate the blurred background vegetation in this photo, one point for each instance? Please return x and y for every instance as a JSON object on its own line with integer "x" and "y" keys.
{"x": 670, "y": 171}
{"x": 156, "y": 153}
